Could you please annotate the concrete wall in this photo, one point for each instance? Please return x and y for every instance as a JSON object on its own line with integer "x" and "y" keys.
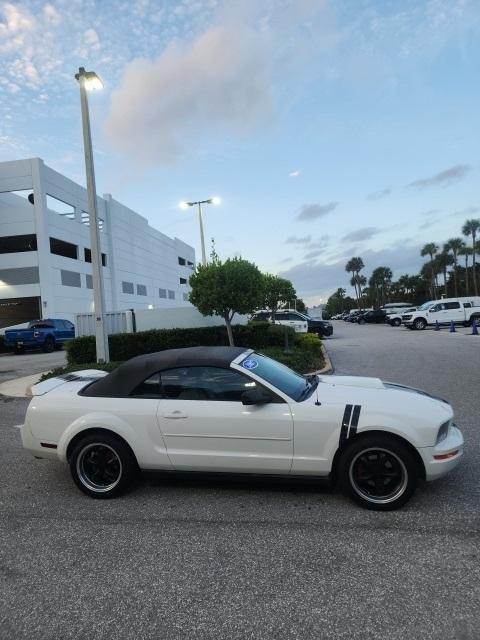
{"x": 143, "y": 258}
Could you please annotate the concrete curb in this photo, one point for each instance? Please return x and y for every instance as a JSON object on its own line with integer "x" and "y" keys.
{"x": 20, "y": 387}
{"x": 328, "y": 368}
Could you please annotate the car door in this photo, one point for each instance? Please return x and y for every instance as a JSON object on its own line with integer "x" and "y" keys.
{"x": 206, "y": 427}
{"x": 297, "y": 322}
{"x": 455, "y": 312}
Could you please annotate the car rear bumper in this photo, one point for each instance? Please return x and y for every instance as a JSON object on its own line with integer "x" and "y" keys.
{"x": 39, "y": 449}
{"x": 444, "y": 457}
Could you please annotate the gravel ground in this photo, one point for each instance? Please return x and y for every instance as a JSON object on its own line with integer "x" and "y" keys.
{"x": 208, "y": 559}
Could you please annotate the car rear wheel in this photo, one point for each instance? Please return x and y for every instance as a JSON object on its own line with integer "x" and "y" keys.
{"x": 378, "y": 472}
{"x": 102, "y": 466}
{"x": 49, "y": 344}
{"x": 420, "y": 324}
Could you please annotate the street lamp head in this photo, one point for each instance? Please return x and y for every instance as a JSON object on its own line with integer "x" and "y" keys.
{"x": 215, "y": 200}
{"x": 90, "y": 79}
{"x": 183, "y": 205}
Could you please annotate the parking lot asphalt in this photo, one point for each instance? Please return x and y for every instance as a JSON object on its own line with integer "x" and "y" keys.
{"x": 28, "y": 363}
{"x": 253, "y": 559}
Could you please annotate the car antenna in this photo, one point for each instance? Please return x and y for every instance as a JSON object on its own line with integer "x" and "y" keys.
{"x": 317, "y": 402}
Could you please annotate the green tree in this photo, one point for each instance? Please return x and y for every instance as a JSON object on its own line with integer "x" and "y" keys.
{"x": 455, "y": 245}
{"x": 276, "y": 290}
{"x": 226, "y": 288}
{"x": 470, "y": 228}
{"x": 300, "y": 306}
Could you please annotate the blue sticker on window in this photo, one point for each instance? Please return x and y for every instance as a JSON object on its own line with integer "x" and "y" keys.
{"x": 250, "y": 363}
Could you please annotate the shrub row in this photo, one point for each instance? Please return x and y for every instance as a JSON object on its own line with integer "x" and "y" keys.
{"x": 124, "y": 346}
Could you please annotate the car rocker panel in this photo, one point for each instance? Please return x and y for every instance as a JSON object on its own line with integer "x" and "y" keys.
{"x": 263, "y": 418}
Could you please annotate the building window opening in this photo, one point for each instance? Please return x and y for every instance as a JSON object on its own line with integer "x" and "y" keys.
{"x": 141, "y": 290}
{"x": 62, "y": 208}
{"x": 88, "y": 257}
{"x": 70, "y": 278}
{"x": 162, "y": 293}
{"x": 127, "y": 287}
{"x": 171, "y": 294}
{"x": 18, "y": 244}
{"x": 64, "y": 249}
{"x": 183, "y": 281}
{"x": 182, "y": 261}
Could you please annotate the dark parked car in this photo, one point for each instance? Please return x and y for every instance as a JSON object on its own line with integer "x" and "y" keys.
{"x": 375, "y": 316}
{"x": 40, "y": 334}
{"x": 296, "y": 320}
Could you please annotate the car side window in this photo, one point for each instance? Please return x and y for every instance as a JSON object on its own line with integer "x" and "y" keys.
{"x": 452, "y": 305}
{"x": 149, "y": 388}
{"x": 205, "y": 383}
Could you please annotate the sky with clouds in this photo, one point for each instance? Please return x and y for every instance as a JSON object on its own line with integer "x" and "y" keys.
{"x": 329, "y": 128}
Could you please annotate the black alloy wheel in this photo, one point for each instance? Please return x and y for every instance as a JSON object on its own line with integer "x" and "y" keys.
{"x": 102, "y": 465}
{"x": 378, "y": 472}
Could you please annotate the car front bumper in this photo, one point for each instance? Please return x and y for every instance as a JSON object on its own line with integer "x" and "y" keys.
{"x": 445, "y": 456}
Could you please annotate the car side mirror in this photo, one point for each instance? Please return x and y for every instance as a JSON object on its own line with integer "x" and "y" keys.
{"x": 256, "y": 396}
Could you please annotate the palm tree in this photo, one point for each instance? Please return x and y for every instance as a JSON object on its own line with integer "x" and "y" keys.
{"x": 430, "y": 249}
{"x": 470, "y": 228}
{"x": 455, "y": 245}
{"x": 466, "y": 251}
{"x": 354, "y": 266}
{"x": 443, "y": 261}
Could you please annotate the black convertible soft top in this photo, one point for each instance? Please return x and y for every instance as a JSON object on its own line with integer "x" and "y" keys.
{"x": 123, "y": 380}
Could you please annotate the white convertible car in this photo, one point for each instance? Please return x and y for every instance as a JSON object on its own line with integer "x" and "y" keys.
{"x": 227, "y": 409}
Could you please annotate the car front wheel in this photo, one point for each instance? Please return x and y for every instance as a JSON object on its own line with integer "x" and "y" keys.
{"x": 378, "y": 472}
{"x": 102, "y": 466}
{"x": 397, "y": 322}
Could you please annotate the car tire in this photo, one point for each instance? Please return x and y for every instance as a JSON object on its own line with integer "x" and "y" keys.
{"x": 361, "y": 321}
{"x": 102, "y": 466}
{"x": 19, "y": 351}
{"x": 49, "y": 344}
{"x": 378, "y": 472}
{"x": 397, "y": 322}
{"x": 419, "y": 324}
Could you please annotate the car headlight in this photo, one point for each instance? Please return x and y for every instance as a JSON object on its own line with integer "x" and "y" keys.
{"x": 443, "y": 431}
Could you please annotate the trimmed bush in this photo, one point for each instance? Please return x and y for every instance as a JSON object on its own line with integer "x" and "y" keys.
{"x": 309, "y": 342}
{"x": 124, "y": 346}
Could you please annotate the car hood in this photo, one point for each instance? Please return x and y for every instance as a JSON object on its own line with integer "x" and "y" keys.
{"x": 353, "y": 381}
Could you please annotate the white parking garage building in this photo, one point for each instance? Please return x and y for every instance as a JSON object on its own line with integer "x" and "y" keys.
{"x": 45, "y": 258}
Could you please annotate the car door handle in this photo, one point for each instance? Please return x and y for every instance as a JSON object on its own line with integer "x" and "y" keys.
{"x": 175, "y": 415}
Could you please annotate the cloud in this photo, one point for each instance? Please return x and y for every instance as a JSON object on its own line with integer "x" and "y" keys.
{"x": 468, "y": 211}
{"x": 444, "y": 178}
{"x": 365, "y": 233}
{"x": 16, "y": 19}
{"x": 430, "y": 212}
{"x": 314, "y": 254}
{"x": 91, "y": 38}
{"x": 296, "y": 240}
{"x": 314, "y": 211}
{"x": 294, "y": 174}
{"x": 378, "y": 195}
{"x": 220, "y": 81}
{"x": 312, "y": 278}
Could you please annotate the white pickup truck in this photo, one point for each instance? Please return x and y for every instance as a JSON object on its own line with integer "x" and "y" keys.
{"x": 456, "y": 310}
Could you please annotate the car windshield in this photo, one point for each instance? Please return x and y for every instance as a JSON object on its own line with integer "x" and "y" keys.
{"x": 425, "y": 306}
{"x": 292, "y": 384}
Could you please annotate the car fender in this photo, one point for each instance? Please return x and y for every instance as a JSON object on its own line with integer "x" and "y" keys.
{"x": 96, "y": 420}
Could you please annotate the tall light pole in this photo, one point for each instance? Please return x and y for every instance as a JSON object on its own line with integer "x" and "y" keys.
{"x": 89, "y": 80}
{"x": 185, "y": 205}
